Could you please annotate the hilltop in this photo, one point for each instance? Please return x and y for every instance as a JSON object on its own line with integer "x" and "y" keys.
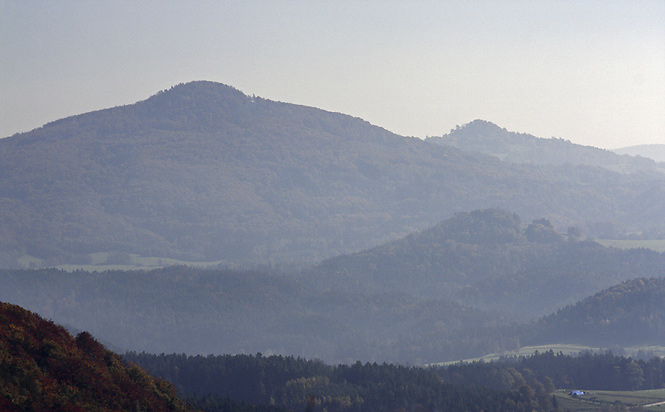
{"x": 202, "y": 172}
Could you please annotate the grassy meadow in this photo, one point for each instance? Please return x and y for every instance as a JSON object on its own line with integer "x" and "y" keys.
{"x": 596, "y": 400}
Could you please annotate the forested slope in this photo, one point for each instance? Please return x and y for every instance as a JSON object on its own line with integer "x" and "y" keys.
{"x": 42, "y": 367}
{"x": 631, "y": 313}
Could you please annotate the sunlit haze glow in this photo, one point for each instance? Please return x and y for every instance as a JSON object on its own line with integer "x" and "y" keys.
{"x": 592, "y": 72}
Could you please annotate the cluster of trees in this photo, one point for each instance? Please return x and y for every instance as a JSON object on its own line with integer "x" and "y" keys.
{"x": 299, "y": 384}
{"x": 42, "y": 367}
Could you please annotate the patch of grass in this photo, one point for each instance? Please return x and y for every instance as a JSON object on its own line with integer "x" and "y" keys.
{"x": 655, "y": 244}
{"x": 565, "y": 348}
{"x": 99, "y": 262}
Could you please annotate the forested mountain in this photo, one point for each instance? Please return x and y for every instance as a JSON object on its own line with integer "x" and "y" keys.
{"x": 489, "y": 259}
{"x": 44, "y": 368}
{"x": 485, "y": 137}
{"x": 650, "y": 151}
{"x": 204, "y": 172}
{"x": 630, "y": 313}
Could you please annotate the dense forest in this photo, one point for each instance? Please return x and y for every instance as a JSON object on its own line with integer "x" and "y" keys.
{"x": 300, "y": 384}
{"x": 294, "y": 383}
{"x": 202, "y": 172}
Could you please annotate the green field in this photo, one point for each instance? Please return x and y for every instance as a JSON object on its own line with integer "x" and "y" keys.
{"x": 596, "y": 400}
{"x": 658, "y": 244}
{"x": 102, "y": 261}
{"x": 566, "y": 349}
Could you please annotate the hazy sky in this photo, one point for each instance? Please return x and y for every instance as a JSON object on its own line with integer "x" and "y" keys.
{"x": 592, "y": 72}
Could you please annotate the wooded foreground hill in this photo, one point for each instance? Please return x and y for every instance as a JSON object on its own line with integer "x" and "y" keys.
{"x": 202, "y": 172}
{"x": 44, "y": 368}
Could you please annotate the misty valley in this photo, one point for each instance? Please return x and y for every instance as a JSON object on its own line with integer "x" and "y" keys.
{"x": 207, "y": 250}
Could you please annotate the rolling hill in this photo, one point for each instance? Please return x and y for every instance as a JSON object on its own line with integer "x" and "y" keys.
{"x": 202, "y": 172}
{"x": 489, "y": 259}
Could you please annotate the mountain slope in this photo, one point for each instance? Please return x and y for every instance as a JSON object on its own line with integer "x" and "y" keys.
{"x": 485, "y": 137}
{"x": 42, "y": 367}
{"x": 203, "y": 172}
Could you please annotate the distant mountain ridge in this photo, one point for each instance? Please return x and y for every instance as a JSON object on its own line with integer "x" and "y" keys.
{"x": 652, "y": 151}
{"x": 202, "y": 172}
{"x": 486, "y": 137}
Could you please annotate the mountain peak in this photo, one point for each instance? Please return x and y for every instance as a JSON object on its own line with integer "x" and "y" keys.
{"x": 199, "y": 89}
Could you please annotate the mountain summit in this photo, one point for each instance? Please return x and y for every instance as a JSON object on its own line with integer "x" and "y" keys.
{"x": 203, "y": 172}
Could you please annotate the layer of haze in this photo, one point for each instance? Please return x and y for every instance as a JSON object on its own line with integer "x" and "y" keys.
{"x": 592, "y": 72}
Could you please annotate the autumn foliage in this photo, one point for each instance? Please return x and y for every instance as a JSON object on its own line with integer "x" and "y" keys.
{"x": 43, "y": 367}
